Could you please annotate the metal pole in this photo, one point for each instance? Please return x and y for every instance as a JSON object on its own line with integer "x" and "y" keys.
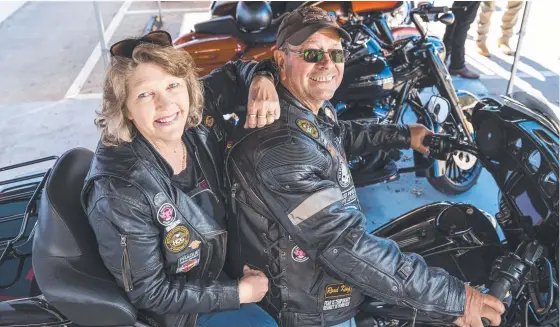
{"x": 159, "y": 9}
{"x": 101, "y": 30}
{"x": 519, "y": 44}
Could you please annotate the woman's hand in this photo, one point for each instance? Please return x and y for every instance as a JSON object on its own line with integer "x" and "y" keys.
{"x": 253, "y": 286}
{"x": 263, "y": 107}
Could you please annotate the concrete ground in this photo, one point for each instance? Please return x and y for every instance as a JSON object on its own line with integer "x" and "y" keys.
{"x": 51, "y": 74}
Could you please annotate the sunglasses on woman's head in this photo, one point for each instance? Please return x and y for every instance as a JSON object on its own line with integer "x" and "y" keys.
{"x": 125, "y": 48}
{"x": 338, "y": 56}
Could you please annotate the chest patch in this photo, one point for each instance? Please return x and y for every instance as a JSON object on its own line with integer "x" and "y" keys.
{"x": 176, "y": 239}
{"x": 188, "y": 261}
{"x": 209, "y": 121}
{"x": 308, "y": 128}
{"x": 329, "y": 113}
{"x": 166, "y": 214}
{"x": 343, "y": 175}
{"x": 298, "y": 255}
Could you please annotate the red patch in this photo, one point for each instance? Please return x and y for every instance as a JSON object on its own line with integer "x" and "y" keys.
{"x": 298, "y": 255}
{"x": 166, "y": 214}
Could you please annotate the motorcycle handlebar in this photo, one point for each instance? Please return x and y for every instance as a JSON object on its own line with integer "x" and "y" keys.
{"x": 500, "y": 287}
{"x": 430, "y": 10}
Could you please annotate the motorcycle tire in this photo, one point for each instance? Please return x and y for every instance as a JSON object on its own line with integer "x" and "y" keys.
{"x": 446, "y": 185}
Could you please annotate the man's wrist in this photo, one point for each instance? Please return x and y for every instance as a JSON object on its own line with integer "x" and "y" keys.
{"x": 265, "y": 73}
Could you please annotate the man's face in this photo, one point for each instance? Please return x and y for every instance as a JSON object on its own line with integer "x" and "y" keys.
{"x": 312, "y": 82}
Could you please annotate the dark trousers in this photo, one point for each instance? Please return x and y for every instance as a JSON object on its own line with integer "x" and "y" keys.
{"x": 456, "y": 33}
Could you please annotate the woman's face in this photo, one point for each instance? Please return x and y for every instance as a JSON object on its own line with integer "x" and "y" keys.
{"x": 158, "y": 103}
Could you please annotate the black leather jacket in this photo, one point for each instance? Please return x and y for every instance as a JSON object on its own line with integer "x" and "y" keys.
{"x": 298, "y": 219}
{"x": 166, "y": 248}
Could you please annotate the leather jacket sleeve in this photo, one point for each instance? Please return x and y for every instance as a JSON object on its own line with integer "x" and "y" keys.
{"x": 129, "y": 244}
{"x": 226, "y": 89}
{"x": 361, "y": 138}
{"x": 292, "y": 181}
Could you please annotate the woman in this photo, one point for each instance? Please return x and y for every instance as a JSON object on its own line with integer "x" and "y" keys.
{"x": 154, "y": 191}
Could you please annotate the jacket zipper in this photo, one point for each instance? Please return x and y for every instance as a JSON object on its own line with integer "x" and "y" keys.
{"x": 125, "y": 266}
{"x": 233, "y": 191}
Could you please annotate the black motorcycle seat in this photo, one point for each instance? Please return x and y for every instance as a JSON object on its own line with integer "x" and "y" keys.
{"x": 67, "y": 266}
{"x": 533, "y": 102}
{"x": 228, "y": 26}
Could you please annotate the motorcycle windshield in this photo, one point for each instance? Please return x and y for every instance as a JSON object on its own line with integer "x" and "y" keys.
{"x": 535, "y": 108}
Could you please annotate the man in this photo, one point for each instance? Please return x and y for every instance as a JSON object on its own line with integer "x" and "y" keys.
{"x": 295, "y": 211}
{"x": 456, "y": 35}
{"x": 509, "y": 19}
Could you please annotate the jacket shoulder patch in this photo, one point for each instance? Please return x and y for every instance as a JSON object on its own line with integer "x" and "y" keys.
{"x": 308, "y": 128}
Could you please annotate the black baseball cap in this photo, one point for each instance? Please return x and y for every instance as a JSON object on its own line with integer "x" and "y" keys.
{"x": 303, "y": 22}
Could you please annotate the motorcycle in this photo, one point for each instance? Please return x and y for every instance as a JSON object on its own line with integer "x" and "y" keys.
{"x": 518, "y": 143}
{"x": 382, "y": 80}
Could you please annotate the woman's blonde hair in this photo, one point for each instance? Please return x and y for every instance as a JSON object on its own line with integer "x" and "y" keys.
{"x": 113, "y": 120}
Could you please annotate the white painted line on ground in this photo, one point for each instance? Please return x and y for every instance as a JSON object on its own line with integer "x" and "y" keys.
{"x": 163, "y": 11}
{"x": 190, "y": 19}
{"x": 96, "y": 54}
{"x": 7, "y": 8}
{"x": 522, "y": 75}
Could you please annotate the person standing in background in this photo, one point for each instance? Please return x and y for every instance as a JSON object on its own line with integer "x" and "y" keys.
{"x": 509, "y": 19}
{"x": 456, "y": 35}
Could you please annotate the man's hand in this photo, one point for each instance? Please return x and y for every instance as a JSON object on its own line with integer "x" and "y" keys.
{"x": 478, "y": 305}
{"x": 263, "y": 107}
{"x": 253, "y": 286}
{"x": 417, "y": 134}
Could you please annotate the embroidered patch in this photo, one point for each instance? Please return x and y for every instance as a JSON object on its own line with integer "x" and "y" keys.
{"x": 188, "y": 261}
{"x": 194, "y": 244}
{"x": 166, "y": 214}
{"x": 329, "y": 113}
{"x": 209, "y": 121}
{"x": 307, "y": 127}
{"x": 349, "y": 196}
{"x": 333, "y": 291}
{"x": 176, "y": 240}
{"x": 298, "y": 255}
{"x": 336, "y": 304}
{"x": 229, "y": 144}
{"x": 343, "y": 174}
{"x": 159, "y": 199}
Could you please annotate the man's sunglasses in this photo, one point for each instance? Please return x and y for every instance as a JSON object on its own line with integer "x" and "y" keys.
{"x": 126, "y": 47}
{"x": 337, "y": 56}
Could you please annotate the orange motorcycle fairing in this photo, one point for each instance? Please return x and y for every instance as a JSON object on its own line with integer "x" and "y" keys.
{"x": 361, "y": 7}
{"x": 210, "y": 51}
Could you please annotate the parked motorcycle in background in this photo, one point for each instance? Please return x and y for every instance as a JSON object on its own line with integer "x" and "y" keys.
{"x": 382, "y": 80}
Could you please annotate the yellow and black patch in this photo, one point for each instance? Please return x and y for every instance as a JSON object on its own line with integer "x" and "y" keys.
{"x": 209, "y": 121}
{"x": 333, "y": 291}
{"x": 308, "y": 128}
{"x": 176, "y": 239}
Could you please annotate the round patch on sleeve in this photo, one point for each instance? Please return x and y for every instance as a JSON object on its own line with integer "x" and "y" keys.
{"x": 209, "y": 121}
{"x": 308, "y": 128}
{"x": 166, "y": 214}
{"x": 176, "y": 240}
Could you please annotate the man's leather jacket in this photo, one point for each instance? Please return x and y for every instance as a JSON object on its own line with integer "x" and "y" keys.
{"x": 298, "y": 219}
{"x": 165, "y": 248}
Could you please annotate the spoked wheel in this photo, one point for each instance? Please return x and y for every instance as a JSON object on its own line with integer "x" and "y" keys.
{"x": 461, "y": 173}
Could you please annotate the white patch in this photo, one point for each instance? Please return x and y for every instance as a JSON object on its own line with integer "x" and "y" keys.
{"x": 343, "y": 175}
{"x": 336, "y": 304}
{"x": 349, "y": 196}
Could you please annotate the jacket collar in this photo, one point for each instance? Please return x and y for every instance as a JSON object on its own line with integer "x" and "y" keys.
{"x": 286, "y": 95}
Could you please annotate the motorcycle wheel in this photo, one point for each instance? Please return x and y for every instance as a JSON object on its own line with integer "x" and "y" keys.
{"x": 456, "y": 180}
